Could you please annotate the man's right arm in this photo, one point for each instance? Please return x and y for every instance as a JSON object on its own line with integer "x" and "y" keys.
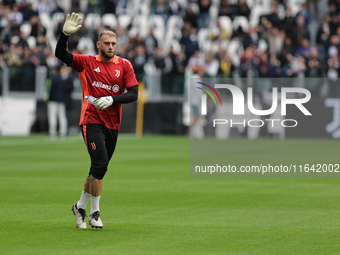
{"x": 61, "y": 52}
{"x": 70, "y": 26}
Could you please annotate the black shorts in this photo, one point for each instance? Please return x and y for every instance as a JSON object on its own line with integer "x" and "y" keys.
{"x": 101, "y": 143}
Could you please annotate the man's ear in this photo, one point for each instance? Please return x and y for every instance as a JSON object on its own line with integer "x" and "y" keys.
{"x": 97, "y": 44}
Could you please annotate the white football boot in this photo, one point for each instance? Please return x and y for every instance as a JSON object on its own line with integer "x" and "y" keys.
{"x": 95, "y": 221}
{"x": 80, "y": 216}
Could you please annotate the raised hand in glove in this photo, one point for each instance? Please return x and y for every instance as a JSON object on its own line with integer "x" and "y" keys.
{"x": 103, "y": 102}
{"x": 71, "y": 23}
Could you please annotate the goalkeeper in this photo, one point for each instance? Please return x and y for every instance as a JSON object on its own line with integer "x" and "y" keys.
{"x": 104, "y": 77}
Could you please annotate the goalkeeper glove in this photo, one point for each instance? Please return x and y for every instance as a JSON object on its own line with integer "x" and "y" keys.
{"x": 70, "y": 25}
{"x": 103, "y": 102}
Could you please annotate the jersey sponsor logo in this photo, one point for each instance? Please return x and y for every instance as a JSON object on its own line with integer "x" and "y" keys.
{"x": 97, "y": 70}
{"x": 117, "y": 73}
{"x": 115, "y": 88}
{"x": 101, "y": 85}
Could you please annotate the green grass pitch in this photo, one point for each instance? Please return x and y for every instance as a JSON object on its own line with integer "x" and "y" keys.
{"x": 150, "y": 205}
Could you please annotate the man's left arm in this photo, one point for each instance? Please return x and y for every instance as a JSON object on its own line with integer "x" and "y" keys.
{"x": 129, "y": 96}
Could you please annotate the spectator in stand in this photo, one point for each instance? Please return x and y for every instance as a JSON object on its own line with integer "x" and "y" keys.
{"x": 28, "y": 12}
{"x": 159, "y": 59}
{"x": 51, "y": 60}
{"x": 323, "y": 36}
{"x": 212, "y": 65}
{"x": 314, "y": 68}
{"x": 227, "y": 9}
{"x": 174, "y": 7}
{"x": 275, "y": 41}
{"x": 287, "y": 49}
{"x": 334, "y": 24}
{"x": 243, "y": 9}
{"x": 251, "y": 38}
{"x": 333, "y": 76}
{"x": 218, "y": 33}
{"x": 139, "y": 59}
{"x": 204, "y": 17}
{"x": 159, "y": 62}
{"x": 121, "y": 7}
{"x": 332, "y": 9}
{"x": 263, "y": 65}
{"x": 273, "y": 18}
{"x": 159, "y": 7}
{"x": 9, "y": 3}
{"x": 274, "y": 70}
{"x": 150, "y": 42}
{"x": 305, "y": 50}
{"x": 248, "y": 67}
{"x": 315, "y": 9}
{"x": 15, "y": 28}
{"x": 288, "y": 21}
{"x": 43, "y": 6}
{"x": 15, "y": 15}
{"x": 191, "y": 17}
{"x": 175, "y": 84}
{"x": 108, "y": 6}
{"x": 305, "y": 13}
{"x": 333, "y": 49}
{"x": 22, "y": 41}
{"x": 189, "y": 42}
{"x": 196, "y": 60}
{"x": 299, "y": 32}
{"x": 226, "y": 66}
{"x": 122, "y": 52}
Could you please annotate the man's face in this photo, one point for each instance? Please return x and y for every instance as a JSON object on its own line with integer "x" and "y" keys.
{"x": 107, "y": 46}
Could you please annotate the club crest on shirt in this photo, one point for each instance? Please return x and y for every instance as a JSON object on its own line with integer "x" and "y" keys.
{"x": 115, "y": 88}
{"x": 117, "y": 73}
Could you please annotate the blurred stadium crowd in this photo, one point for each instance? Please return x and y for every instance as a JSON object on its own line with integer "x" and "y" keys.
{"x": 249, "y": 38}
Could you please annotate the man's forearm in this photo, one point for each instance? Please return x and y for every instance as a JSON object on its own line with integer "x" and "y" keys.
{"x": 130, "y": 96}
{"x": 61, "y": 52}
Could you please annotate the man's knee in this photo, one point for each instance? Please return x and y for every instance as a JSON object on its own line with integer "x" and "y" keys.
{"x": 98, "y": 171}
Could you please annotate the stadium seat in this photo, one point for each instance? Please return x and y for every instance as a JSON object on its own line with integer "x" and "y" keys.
{"x": 266, "y": 5}
{"x": 173, "y": 33}
{"x": 124, "y": 20}
{"x": 109, "y": 20}
{"x": 226, "y": 23}
{"x": 204, "y": 42}
{"x": 183, "y": 3}
{"x": 194, "y": 7}
{"x": 241, "y": 21}
{"x": 144, "y": 9}
{"x": 86, "y": 44}
{"x": 213, "y": 14}
{"x": 15, "y": 39}
{"x": 141, "y": 25}
{"x": 31, "y": 41}
{"x": 157, "y": 23}
{"x": 250, "y": 3}
{"x": 46, "y": 20}
{"x": 175, "y": 21}
{"x": 26, "y": 28}
{"x": 92, "y": 21}
{"x": 255, "y": 14}
{"x": 172, "y": 43}
{"x": 233, "y": 50}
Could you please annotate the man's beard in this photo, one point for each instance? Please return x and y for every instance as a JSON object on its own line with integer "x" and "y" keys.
{"x": 107, "y": 54}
